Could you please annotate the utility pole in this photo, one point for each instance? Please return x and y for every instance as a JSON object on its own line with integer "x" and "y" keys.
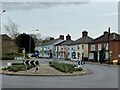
{"x": 108, "y": 45}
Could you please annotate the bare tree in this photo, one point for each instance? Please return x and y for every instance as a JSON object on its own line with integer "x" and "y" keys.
{"x": 37, "y": 38}
{"x": 11, "y": 29}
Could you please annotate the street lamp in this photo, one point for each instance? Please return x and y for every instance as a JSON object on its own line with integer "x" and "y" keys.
{"x": 1, "y": 20}
{"x": 30, "y": 40}
{"x": 3, "y": 12}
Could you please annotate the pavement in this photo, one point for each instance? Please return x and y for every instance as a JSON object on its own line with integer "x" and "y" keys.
{"x": 45, "y": 70}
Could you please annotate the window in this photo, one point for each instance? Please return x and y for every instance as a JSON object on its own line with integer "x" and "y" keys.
{"x": 72, "y": 48}
{"x": 68, "y": 54}
{"x": 65, "y": 48}
{"x": 78, "y": 48}
{"x": 91, "y": 55}
{"x": 82, "y": 46}
{"x": 68, "y": 48}
{"x": 78, "y": 54}
{"x": 99, "y": 47}
{"x": 61, "y": 48}
{"x": 106, "y": 46}
{"x": 106, "y": 55}
{"x": 92, "y": 47}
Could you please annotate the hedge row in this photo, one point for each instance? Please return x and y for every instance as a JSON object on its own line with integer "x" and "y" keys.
{"x": 18, "y": 67}
{"x": 67, "y": 68}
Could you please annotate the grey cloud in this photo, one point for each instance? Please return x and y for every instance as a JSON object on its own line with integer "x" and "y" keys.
{"x": 33, "y": 5}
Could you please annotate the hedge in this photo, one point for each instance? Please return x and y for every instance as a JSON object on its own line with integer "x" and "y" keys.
{"x": 17, "y": 67}
{"x": 67, "y": 68}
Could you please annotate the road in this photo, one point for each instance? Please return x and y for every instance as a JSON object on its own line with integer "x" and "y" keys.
{"x": 102, "y": 77}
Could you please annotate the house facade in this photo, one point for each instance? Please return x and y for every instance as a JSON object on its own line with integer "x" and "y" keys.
{"x": 47, "y": 49}
{"x": 62, "y": 48}
{"x": 80, "y": 46}
{"x": 98, "y": 48}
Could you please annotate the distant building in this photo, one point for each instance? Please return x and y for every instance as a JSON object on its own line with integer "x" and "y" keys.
{"x": 98, "y": 48}
{"x": 47, "y": 49}
{"x": 7, "y": 45}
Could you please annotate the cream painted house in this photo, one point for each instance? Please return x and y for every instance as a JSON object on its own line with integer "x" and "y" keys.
{"x": 81, "y": 45}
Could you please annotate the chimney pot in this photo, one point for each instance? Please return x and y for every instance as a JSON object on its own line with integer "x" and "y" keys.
{"x": 61, "y": 37}
{"x": 68, "y": 37}
{"x": 84, "y": 33}
{"x": 105, "y": 32}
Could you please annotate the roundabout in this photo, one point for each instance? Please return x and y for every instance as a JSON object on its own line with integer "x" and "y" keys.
{"x": 46, "y": 70}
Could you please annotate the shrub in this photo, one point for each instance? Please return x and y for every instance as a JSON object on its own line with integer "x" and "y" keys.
{"x": 4, "y": 68}
{"x": 17, "y": 63}
{"x": 18, "y": 67}
{"x": 67, "y": 68}
{"x": 6, "y": 57}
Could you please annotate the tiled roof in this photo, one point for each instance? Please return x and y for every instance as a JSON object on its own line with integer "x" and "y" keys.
{"x": 104, "y": 38}
{"x": 5, "y": 36}
{"x": 82, "y": 40}
{"x": 67, "y": 42}
{"x": 59, "y": 43}
{"x": 50, "y": 42}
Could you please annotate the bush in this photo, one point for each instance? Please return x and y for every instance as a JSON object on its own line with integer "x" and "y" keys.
{"x": 18, "y": 67}
{"x": 17, "y": 64}
{"x": 7, "y": 57}
{"x": 4, "y": 68}
{"x": 67, "y": 68}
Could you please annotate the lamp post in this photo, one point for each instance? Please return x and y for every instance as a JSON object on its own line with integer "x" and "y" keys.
{"x": 0, "y": 18}
{"x": 108, "y": 45}
{"x": 30, "y": 41}
{"x": 3, "y": 12}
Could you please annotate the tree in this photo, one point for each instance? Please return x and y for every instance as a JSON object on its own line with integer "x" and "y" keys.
{"x": 11, "y": 29}
{"x": 23, "y": 41}
{"x": 37, "y": 38}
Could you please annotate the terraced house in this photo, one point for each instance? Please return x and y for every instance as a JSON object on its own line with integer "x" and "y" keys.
{"x": 98, "y": 48}
{"x": 47, "y": 49}
{"x": 80, "y": 46}
{"x": 62, "y": 48}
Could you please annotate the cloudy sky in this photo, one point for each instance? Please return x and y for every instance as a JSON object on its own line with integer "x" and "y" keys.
{"x": 55, "y": 18}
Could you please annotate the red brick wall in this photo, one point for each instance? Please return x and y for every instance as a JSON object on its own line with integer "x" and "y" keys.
{"x": 114, "y": 47}
{"x": 9, "y": 47}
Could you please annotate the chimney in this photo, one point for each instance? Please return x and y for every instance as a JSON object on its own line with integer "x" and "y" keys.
{"x": 68, "y": 37}
{"x": 61, "y": 37}
{"x": 51, "y": 38}
{"x": 105, "y": 32}
{"x": 84, "y": 33}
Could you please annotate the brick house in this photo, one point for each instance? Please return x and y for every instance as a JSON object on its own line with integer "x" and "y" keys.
{"x": 98, "y": 48}
{"x": 7, "y": 45}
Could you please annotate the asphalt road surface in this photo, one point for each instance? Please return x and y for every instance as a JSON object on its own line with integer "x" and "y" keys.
{"x": 102, "y": 77}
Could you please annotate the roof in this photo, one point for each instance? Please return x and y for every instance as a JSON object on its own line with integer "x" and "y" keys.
{"x": 50, "y": 42}
{"x": 82, "y": 40}
{"x": 5, "y": 37}
{"x": 104, "y": 38}
{"x": 66, "y": 42}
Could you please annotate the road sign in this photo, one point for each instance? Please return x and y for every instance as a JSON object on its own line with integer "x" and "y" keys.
{"x": 30, "y": 62}
{"x": 74, "y": 55}
{"x": 37, "y": 53}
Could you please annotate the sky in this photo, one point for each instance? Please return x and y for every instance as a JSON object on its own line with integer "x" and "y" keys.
{"x": 62, "y": 18}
